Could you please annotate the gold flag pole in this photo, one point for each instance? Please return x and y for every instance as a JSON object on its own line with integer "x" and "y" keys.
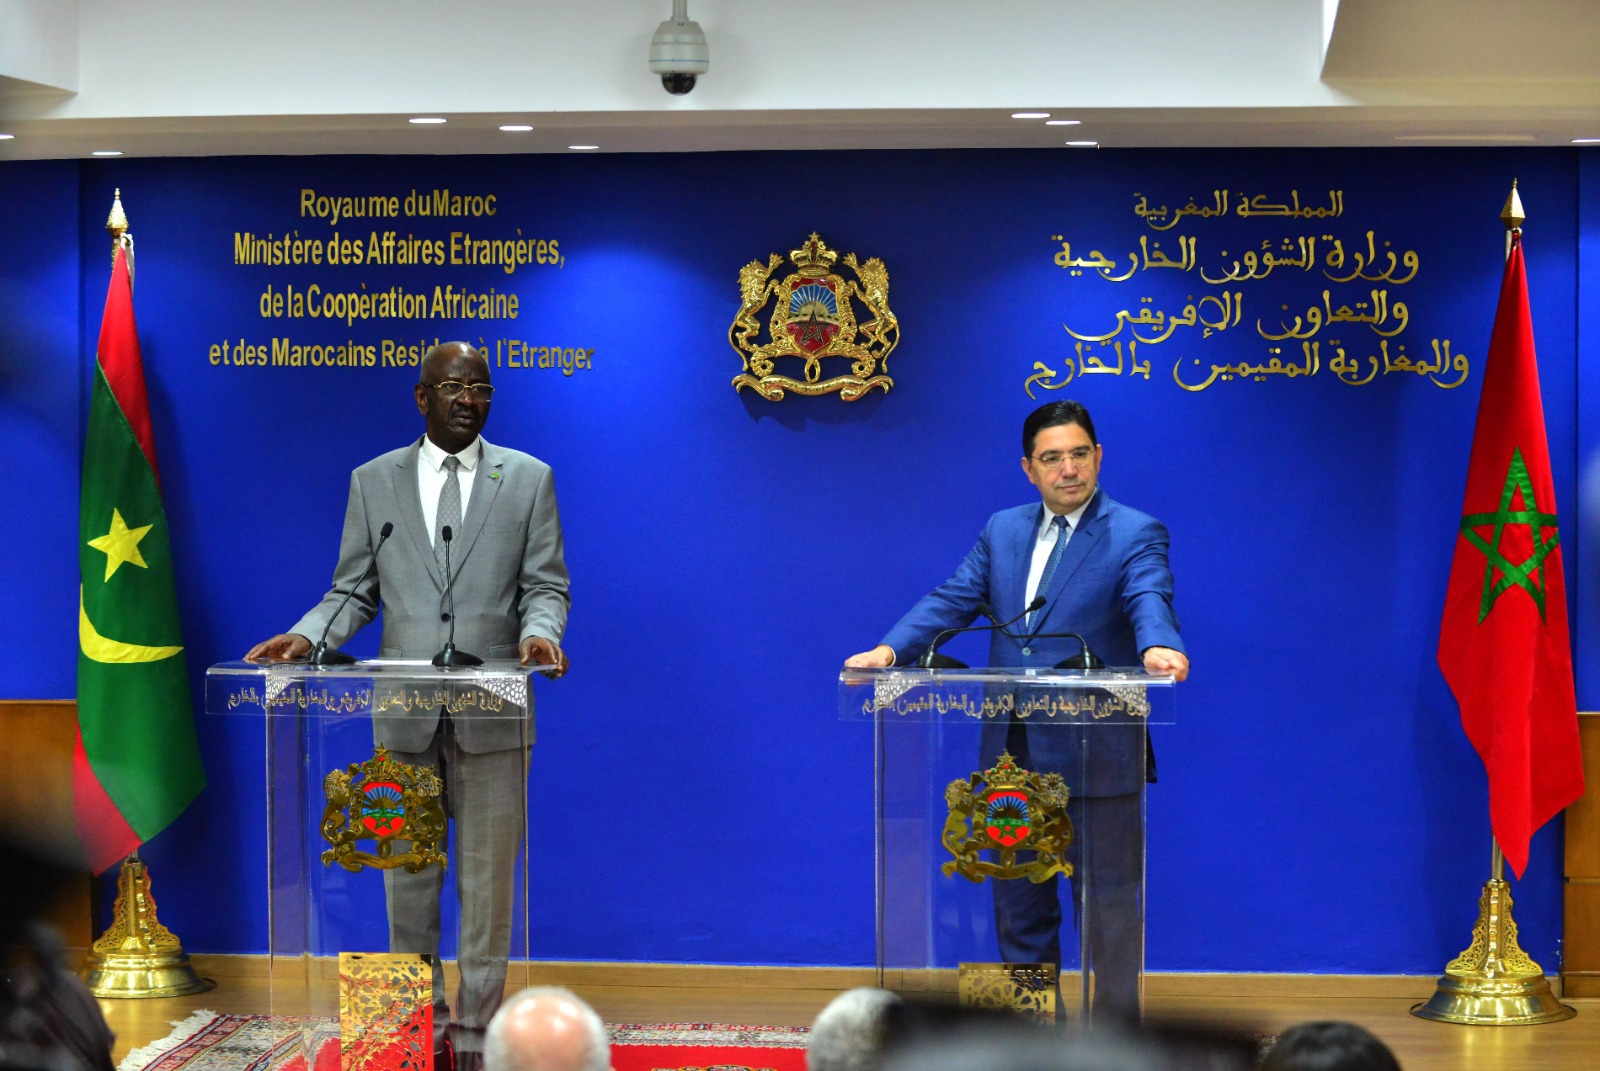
{"x": 137, "y": 956}
{"x": 1494, "y": 982}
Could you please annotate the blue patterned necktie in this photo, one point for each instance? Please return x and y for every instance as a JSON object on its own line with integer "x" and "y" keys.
{"x": 449, "y": 509}
{"x": 1063, "y": 532}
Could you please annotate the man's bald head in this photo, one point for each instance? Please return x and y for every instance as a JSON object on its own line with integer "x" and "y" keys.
{"x": 546, "y": 1029}
{"x": 435, "y": 360}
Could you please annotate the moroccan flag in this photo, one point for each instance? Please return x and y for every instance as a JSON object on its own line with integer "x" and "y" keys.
{"x": 137, "y": 764}
{"x": 1503, "y": 645}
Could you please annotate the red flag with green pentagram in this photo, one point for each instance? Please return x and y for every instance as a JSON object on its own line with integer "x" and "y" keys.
{"x": 137, "y": 764}
{"x": 1503, "y": 645}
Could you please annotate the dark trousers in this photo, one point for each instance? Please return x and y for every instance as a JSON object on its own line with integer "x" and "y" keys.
{"x": 1107, "y": 857}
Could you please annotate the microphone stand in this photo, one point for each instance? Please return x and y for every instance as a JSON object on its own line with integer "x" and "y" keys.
{"x": 1085, "y": 658}
{"x": 322, "y": 654}
{"x": 932, "y": 659}
{"x": 450, "y": 658}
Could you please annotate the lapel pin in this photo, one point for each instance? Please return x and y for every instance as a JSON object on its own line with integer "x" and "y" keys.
{"x": 494, "y": 475}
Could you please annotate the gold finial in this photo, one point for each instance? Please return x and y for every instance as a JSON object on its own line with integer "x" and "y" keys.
{"x": 1512, "y": 215}
{"x": 117, "y": 221}
{"x": 117, "y": 227}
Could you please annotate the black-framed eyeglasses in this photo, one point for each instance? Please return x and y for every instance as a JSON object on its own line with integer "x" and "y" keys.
{"x": 450, "y": 388}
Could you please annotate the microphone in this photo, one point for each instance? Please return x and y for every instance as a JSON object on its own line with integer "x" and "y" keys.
{"x": 986, "y": 611}
{"x": 450, "y": 657}
{"x": 932, "y": 659}
{"x": 1084, "y": 659}
{"x": 322, "y": 654}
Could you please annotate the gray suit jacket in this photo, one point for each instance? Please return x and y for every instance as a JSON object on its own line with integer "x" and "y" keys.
{"x": 510, "y": 578}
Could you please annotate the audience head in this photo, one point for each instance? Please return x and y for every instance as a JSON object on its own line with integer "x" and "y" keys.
{"x": 848, "y": 1034}
{"x": 1023, "y": 1046}
{"x": 925, "y": 1036}
{"x": 546, "y": 1029}
{"x": 1329, "y": 1046}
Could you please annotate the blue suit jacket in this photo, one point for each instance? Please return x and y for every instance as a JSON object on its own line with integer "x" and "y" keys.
{"x": 1113, "y": 586}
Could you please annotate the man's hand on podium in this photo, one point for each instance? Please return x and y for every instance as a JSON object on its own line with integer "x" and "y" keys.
{"x": 880, "y": 657}
{"x": 284, "y": 647}
{"x": 543, "y": 652}
{"x": 1162, "y": 660}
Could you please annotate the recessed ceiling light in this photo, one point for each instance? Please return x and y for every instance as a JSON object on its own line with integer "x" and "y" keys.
{"x": 106, "y": 152}
{"x": 427, "y": 120}
{"x": 1084, "y": 144}
{"x": 1469, "y": 138}
{"x": 1030, "y": 115}
{"x": 1064, "y": 122}
{"x": 1575, "y": 141}
{"x": 6, "y": 137}
{"x": 516, "y": 128}
{"x": 583, "y": 148}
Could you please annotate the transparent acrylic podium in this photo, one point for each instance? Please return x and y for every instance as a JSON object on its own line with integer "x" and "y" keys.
{"x": 313, "y": 724}
{"x": 967, "y": 811}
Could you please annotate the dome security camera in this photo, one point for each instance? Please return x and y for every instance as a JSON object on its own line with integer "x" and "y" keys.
{"x": 678, "y": 52}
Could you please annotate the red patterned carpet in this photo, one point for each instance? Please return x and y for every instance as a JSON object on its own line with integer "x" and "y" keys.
{"x": 707, "y": 1047}
{"x": 210, "y": 1042}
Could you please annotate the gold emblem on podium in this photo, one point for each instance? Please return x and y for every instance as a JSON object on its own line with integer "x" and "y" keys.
{"x": 814, "y": 322}
{"x": 1007, "y": 810}
{"x": 386, "y": 802}
{"x": 1028, "y": 989}
{"x": 385, "y": 1011}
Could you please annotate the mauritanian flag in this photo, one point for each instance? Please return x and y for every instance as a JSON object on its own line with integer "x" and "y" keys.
{"x": 1503, "y": 645}
{"x": 138, "y": 763}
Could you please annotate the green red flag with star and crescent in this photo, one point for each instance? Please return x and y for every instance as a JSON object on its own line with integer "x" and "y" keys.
{"x": 137, "y": 764}
{"x": 1503, "y": 644}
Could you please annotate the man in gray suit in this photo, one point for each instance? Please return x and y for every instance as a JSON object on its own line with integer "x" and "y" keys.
{"x": 510, "y": 600}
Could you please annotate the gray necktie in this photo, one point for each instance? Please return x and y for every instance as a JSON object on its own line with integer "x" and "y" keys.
{"x": 449, "y": 512}
{"x": 1063, "y": 531}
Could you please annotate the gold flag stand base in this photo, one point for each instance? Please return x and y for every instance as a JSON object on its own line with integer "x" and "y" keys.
{"x": 1494, "y": 982}
{"x": 137, "y": 956}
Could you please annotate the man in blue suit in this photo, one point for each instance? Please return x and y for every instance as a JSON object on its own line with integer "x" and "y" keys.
{"x": 1101, "y": 568}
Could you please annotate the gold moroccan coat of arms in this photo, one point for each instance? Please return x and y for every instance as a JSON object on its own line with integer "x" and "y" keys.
{"x": 1008, "y": 810}
{"x": 814, "y": 321}
{"x": 387, "y": 802}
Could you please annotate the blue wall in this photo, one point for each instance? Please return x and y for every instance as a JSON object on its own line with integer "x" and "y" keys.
{"x": 1319, "y": 808}
{"x": 40, "y": 393}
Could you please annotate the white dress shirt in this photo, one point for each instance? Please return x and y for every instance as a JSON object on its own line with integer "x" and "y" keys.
{"x": 431, "y": 477}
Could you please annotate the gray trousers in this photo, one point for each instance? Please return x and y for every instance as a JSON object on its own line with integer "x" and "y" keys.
{"x": 484, "y": 798}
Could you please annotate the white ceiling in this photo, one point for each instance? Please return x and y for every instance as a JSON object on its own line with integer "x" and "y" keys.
{"x": 171, "y": 78}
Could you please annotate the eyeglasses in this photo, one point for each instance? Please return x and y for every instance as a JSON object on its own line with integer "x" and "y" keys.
{"x": 1055, "y": 458}
{"x": 481, "y": 392}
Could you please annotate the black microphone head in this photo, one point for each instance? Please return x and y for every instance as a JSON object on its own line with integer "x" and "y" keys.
{"x": 1037, "y": 603}
{"x": 444, "y": 533}
{"x": 387, "y": 530}
{"x": 985, "y": 610}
